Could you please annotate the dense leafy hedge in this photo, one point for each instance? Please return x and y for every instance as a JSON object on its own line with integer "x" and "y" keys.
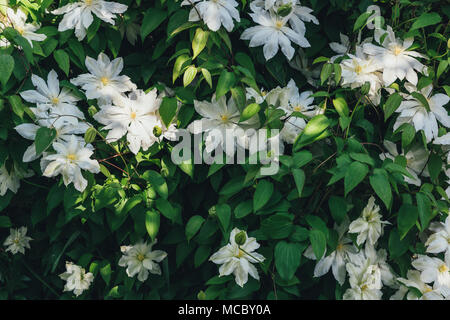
{"x": 94, "y": 94}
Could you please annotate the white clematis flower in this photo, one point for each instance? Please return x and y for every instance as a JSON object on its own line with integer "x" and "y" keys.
{"x": 17, "y": 241}
{"x": 77, "y": 280}
{"x": 293, "y": 126}
{"x": 413, "y": 280}
{"x": 140, "y": 259}
{"x": 133, "y": 116}
{"x": 214, "y": 13}
{"x": 104, "y": 81}
{"x": 397, "y": 61}
{"x": 70, "y": 158}
{"x": 337, "y": 259}
{"x": 434, "y": 270}
{"x": 220, "y": 123}
{"x": 299, "y": 102}
{"x": 414, "y": 112}
{"x": 416, "y": 160}
{"x": 11, "y": 180}
{"x": 365, "y": 280}
{"x": 17, "y": 20}
{"x": 238, "y": 259}
{"x": 60, "y": 104}
{"x": 440, "y": 240}
{"x": 274, "y": 32}
{"x": 78, "y": 15}
{"x": 369, "y": 226}
{"x": 360, "y": 69}
{"x": 64, "y": 130}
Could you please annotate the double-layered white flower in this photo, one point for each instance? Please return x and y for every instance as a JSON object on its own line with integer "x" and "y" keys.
{"x": 17, "y": 240}
{"x": 104, "y": 80}
{"x": 220, "y": 122}
{"x": 440, "y": 240}
{"x": 360, "y": 69}
{"x": 141, "y": 260}
{"x": 60, "y": 104}
{"x": 364, "y": 278}
{"x": 413, "y": 281}
{"x": 79, "y": 16}
{"x": 299, "y": 102}
{"x": 77, "y": 280}
{"x": 214, "y": 13}
{"x": 10, "y": 180}
{"x": 134, "y": 116}
{"x": 413, "y": 111}
{"x": 434, "y": 270}
{"x": 17, "y": 20}
{"x": 237, "y": 259}
{"x": 369, "y": 225}
{"x": 70, "y": 158}
{"x": 64, "y": 130}
{"x": 416, "y": 160}
{"x": 337, "y": 259}
{"x": 274, "y": 32}
{"x": 398, "y": 62}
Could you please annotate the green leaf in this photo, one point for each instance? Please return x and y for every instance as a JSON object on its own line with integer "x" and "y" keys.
{"x": 406, "y": 219}
{"x": 424, "y": 208}
{"x": 224, "y": 214}
{"x": 356, "y": 173}
{"x": 207, "y": 75}
{"x": 157, "y": 181}
{"x": 168, "y": 110}
{"x": 392, "y": 104}
{"x": 327, "y": 69}
{"x": 341, "y": 107}
{"x": 249, "y": 111}
{"x": 361, "y": 21}
{"x": 189, "y": 75}
{"x": 17, "y": 106}
{"x": 6, "y": 68}
{"x": 178, "y": 66}
{"x": 90, "y": 134}
{"x": 338, "y": 208}
{"x": 199, "y": 41}
{"x": 425, "y": 20}
{"x": 193, "y": 226}
{"x": 318, "y": 242}
{"x": 287, "y": 258}
{"x": 5, "y": 222}
{"x": 243, "y": 209}
{"x": 262, "y": 195}
{"x": 152, "y": 223}
{"x": 167, "y": 210}
{"x": 299, "y": 178}
{"x": 434, "y": 166}
{"x": 381, "y": 186}
{"x": 226, "y": 81}
{"x": 105, "y": 272}
{"x": 396, "y": 246}
{"x": 424, "y": 101}
{"x": 63, "y": 60}
{"x": 314, "y": 130}
{"x": 44, "y": 138}
{"x": 153, "y": 17}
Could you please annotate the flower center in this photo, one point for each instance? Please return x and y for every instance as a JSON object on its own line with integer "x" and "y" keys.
{"x": 364, "y": 287}
{"x": 298, "y": 108}
{"x": 104, "y": 80}
{"x": 241, "y": 253}
{"x": 263, "y": 93}
{"x": 20, "y": 30}
{"x": 443, "y": 268}
{"x": 71, "y": 157}
{"x": 140, "y": 257}
{"x": 279, "y": 24}
{"x": 133, "y": 115}
{"x": 397, "y": 50}
{"x": 427, "y": 289}
{"x": 358, "y": 69}
{"x": 16, "y": 241}
{"x": 55, "y": 100}
{"x": 88, "y": 2}
{"x": 339, "y": 247}
{"x": 224, "y": 118}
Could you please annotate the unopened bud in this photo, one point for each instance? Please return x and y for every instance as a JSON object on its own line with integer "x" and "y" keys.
{"x": 157, "y": 131}
{"x": 240, "y": 238}
{"x": 365, "y": 88}
{"x": 284, "y": 10}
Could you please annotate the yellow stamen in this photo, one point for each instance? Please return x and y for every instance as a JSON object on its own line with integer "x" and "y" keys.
{"x": 20, "y": 30}
{"x": 397, "y": 50}
{"x": 224, "y": 118}
{"x": 133, "y": 115}
{"x": 55, "y": 100}
{"x": 241, "y": 253}
{"x": 263, "y": 93}
{"x": 443, "y": 268}
{"x": 427, "y": 289}
{"x": 298, "y": 108}
{"x": 71, "y": 157}
{"x": 279, "y": 24}
{"x": 88, "y": 2}
{"x": 364, "y": 287}
{"x": 104, "y": 80}
{"x": 16, "y": 241}
{"x": 358, "y": 69}
{"x": 140, "y": 257}
{"x": 339, "y": 247}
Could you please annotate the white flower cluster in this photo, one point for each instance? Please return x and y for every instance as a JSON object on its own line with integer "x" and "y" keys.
{"x": 367, "y": 268}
